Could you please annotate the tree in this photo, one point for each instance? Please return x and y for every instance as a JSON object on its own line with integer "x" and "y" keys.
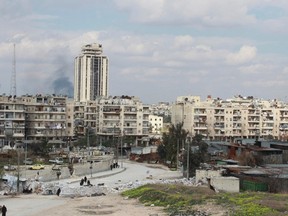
{"x": 168, "y": 149}
{"x": 83, "y": 141}
{"x": 248, "y": 158}
{"x": 42, "y": 148}
{"x": 197, "y": 154}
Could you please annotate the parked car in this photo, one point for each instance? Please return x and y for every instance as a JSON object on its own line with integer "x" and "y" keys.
{"x": 57, "y": 160}
{"x": 9, "y": 167}
{"x": 37, "y": 167}
{"x": 28, "y": 161}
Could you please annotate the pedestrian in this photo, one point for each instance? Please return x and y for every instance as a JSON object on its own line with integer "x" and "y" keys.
{"x": 88, "y": 183}
{"x": 58, "y": 173}
{"x": 58, "y": 192}
{"x": 81, "y": 182}
{"x": 85, "y": 179}
{"x": 111, "y": 166}
{"x": 4, "y": 210}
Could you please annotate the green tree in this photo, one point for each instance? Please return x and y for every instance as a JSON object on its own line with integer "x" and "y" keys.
{"x": 197, "y": 154}
{"x": 42, "y": 148}
{"x": 82, "y": 142}
{"x": 168, "y": 149}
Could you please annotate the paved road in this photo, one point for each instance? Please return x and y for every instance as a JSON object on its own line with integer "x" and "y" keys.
{"x": 135, "y": 172}
{"x": 49, "y": 174}
{"x": 128, "y": 172}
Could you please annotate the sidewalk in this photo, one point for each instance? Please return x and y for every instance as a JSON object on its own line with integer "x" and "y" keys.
{"x": 97, "y": 175}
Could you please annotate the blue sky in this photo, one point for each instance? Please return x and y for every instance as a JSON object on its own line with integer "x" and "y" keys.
{"x": 158, "y": 49}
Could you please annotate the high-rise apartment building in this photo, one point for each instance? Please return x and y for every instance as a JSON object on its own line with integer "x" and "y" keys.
{"x": 90, "y": 73}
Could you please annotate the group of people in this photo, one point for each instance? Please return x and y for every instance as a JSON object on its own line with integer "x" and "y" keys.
{"x": 114, "y": 165}
{"x": 3, "y": 210}
{"x": 85, "y": 181}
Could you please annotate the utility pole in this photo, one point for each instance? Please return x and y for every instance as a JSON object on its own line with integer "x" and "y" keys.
{"x": 18, "y": 171}
{"x": 177, "y": 156}
{"x": 188, "y": 153}
{"x": 25, "y": 157}
{"x": 88, "y": 146}
{"x": 122, "y": 149}
{"x": 88, "y": 142}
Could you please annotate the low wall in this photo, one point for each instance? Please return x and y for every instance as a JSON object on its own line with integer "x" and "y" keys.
{"x": 80, "y": 169}
{"x": 202, "y": 175}
{"x": 227, "y": 184}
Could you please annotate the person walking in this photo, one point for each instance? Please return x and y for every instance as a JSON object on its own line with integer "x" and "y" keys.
{"x": 58, "y": 192}
{"x": 4, "y": 210}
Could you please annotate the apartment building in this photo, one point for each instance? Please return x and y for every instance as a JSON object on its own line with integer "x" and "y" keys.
{"x": 156, "y": 124}
{"x": 45, "y": 117}
{"x": 90, "y": 73}
{"x": 58, "y": 119}
{"x": 32, "y": 118}
{"x": 111, "y": 118}
{"x": 12, "y": 120}
{"x": 239, "y": 117}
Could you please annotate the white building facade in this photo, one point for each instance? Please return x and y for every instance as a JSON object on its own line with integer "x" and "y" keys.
{"x": 111, "y": 118}
{"x": 91, "y": 73}
{"x": 239, "y": 117}
{"x": 156, "y": 124}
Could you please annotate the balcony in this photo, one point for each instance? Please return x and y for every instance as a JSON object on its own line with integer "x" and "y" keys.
{"x": 253, "y": 119}
{"x": 112, "y": 110}
{"x": 129, "y": 125}
{"x": 111, "y": 117}
{"x": 219, "y": 114}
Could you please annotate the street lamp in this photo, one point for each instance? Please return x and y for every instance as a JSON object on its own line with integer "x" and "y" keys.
{"x": 123, "y": 134}
{"x": 91, "y": 167}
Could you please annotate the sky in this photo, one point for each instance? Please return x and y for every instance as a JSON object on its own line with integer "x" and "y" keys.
{"x": 157, "y": 49}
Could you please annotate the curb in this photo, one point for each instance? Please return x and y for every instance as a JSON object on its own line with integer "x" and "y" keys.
{"x": 95, "y": 177}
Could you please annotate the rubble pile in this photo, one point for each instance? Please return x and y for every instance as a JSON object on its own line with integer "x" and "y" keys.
{"x": 73, "y": 191}
{"x": 70, "y": 190}
{"x": 131, "y": 185}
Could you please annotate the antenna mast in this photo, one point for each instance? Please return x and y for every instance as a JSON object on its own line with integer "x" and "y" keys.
{"x": 13, "y": 76}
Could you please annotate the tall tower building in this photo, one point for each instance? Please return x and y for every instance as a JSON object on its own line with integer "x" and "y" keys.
{"x": 90, "y": 73}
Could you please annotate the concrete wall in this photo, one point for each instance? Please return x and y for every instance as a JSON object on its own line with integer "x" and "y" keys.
{"x": 202, "y": 175}
{"x": 80, "y": 169}
{"x": 227, "y": 184}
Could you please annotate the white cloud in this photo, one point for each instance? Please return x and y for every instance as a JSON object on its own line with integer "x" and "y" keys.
{"x": 264, "y": 83}
{"x": 285, "y": 71}
{"x": 205, "y": 12}
{"x": 257, "y": 69}
{"x": 245, "y": 54}
{"x": 183, "y": 41}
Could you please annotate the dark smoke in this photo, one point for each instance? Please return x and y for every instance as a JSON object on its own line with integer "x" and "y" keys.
{"x": 61, "y": 83}
{"x": 63, "y": 86}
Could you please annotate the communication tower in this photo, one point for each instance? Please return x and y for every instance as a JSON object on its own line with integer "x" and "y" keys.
{"x": 13, "y": 75}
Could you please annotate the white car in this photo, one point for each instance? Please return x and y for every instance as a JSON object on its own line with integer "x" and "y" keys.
{"x": 28, "y": 161}
{"x": 9, "y": 167}
{"x": 57, "y": 160}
